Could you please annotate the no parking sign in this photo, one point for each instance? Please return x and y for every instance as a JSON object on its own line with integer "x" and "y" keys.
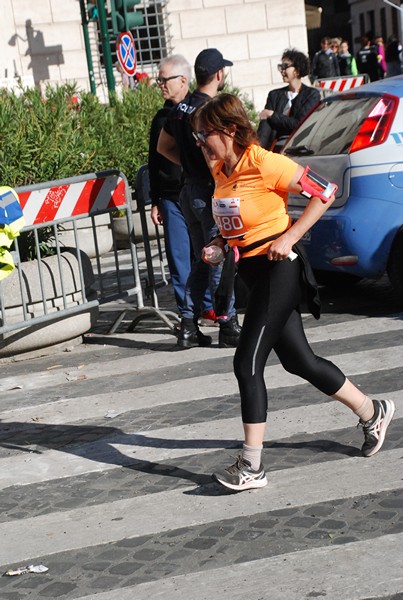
{"x": 126, "y": 52}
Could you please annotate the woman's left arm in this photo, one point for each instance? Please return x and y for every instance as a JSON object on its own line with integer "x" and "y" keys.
{"x": 282, "y": 246}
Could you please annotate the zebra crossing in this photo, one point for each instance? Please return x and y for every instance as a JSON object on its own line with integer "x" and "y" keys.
{"x": 106, "y": 454}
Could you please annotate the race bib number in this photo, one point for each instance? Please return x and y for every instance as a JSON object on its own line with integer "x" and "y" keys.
{"x": 227, "y": 215}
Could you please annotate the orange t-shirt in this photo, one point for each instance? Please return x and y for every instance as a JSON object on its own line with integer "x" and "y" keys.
{"x": 251, "y": 204}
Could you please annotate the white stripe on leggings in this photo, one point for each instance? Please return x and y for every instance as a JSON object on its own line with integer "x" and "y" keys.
{"x": 256, "y": 350}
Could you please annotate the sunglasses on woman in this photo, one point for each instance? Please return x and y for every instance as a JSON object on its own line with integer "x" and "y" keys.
{"x": 284, "y": 66}
{"x": 201, "y": 136}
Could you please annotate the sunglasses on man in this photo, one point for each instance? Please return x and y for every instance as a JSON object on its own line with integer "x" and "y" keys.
{"x": 163, "y": 80}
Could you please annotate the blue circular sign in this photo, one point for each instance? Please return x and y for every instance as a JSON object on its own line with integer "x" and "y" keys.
{"x": 126, "y": 52}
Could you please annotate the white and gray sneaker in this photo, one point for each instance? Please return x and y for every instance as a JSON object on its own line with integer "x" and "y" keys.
{"x": 240, "y": 476}
{"x": 375, "y": 428}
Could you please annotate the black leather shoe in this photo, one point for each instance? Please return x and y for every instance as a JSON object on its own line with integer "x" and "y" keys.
{"x": 191, "y": 338}
{"x": 229, "y": 333}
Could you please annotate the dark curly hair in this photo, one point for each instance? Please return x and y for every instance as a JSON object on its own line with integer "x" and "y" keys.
{"x": 299, "y": 60}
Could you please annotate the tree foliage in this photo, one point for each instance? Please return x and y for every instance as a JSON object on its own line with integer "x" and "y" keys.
{"x": 52, "y": 136}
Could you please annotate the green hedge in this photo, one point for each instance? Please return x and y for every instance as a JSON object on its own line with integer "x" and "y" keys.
{"x": 50, "y": 137}
{"x": 53, "y": 137}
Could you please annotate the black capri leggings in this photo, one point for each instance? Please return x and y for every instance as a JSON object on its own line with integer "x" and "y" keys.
{"x": 273, "y": 321}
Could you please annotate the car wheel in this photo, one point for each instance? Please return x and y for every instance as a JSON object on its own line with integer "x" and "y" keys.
{"x": 395, "y": 263}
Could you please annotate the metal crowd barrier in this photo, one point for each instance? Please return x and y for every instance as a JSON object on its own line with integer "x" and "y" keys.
{"x": 156, "y": 263}
{"x": 75, "y": 214}
{"x": 331, "y": 85}
{"x": 143, "y": 201}
{"x": 152, "y": 282}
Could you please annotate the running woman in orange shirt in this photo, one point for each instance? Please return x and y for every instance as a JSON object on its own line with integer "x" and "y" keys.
{"x": 250, "y": 209}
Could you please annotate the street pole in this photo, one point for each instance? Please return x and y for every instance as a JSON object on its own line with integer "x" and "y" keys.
{"x": 401, "y": 22}
{"x": 400, "y": 9}
{"x": 84, "y": 22}
{"x": 106, "y": 48}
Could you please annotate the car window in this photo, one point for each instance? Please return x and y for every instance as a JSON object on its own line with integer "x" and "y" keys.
{"x": 331, "y": 128}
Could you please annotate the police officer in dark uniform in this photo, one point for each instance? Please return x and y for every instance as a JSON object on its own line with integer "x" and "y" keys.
{"x": 367, "y": 59}
{"x": 165, "y": 177}
{"x": 176, "y": 142}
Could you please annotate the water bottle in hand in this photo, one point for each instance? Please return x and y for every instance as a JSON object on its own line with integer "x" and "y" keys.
{"x": 213, "y": 255}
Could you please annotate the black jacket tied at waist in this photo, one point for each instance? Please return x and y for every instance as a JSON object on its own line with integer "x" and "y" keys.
{"x": 225, "y": 288}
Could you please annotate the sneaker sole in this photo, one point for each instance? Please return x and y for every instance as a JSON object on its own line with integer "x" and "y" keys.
{"x": 385, "y": 424}
{"x": 249, "y": 485}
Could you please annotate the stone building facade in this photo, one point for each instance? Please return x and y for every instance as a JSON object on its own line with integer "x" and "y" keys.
{"x": 42, "y": 41}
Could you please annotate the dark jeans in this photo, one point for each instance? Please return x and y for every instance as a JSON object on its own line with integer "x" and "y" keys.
{"x": 195, "y": 202}
{"x": 178, "y": 251}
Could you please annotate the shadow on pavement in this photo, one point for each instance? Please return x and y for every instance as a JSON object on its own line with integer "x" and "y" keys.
{"x": 97, "y": 444}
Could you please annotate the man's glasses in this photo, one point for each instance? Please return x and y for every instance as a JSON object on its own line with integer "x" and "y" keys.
{"x": 284, "y": 66}
{"x": 163, "y": 80}
{"x": 201, "y": 136}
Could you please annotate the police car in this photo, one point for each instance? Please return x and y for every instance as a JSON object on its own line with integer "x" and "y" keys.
{"x": 355, "y": 139}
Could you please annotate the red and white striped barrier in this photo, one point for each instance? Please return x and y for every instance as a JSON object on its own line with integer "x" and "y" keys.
{"x": 340, "y": 84}
{"x": 69, "y": 198}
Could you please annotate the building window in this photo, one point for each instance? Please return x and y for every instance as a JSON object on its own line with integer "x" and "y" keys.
{"x": 152, "y": 39}
{"x": 371, "y": 22}
{"x": 341, "y": 6}
{"x": 383, "y": 23}
{"x": 362, "y": 24}
{"x": 395, "y": 21}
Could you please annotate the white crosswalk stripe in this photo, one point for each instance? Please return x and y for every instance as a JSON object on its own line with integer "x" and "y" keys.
{"x": 160, "y": 394}
{"x": 167, "y": 444}
{"x": 86, "y": 494}
{"x": 291, "y": 576}
{"x": 126, "y": 518}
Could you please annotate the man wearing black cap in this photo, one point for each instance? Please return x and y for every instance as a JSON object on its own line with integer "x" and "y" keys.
{"x": 176, "y": 142}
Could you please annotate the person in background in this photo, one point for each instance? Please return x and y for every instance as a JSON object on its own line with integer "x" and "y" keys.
{"x": 259, "y": 225}
{"x": 392, "y": 57}
{"x": 335, "y": 44}
{"x": 367, "y": 59}
{"x": 174, "y": 76}
{"x": 347, "y": 62}
{"x": 325, "y": 63}
{"x": 381, "y": 56}
{"x": 126, "y": 81}
{"x": 176, "y": 142}
{"x": 287, "y": 106}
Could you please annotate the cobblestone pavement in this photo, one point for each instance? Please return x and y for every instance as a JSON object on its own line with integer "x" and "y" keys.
{"x": 107, "y": 452}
